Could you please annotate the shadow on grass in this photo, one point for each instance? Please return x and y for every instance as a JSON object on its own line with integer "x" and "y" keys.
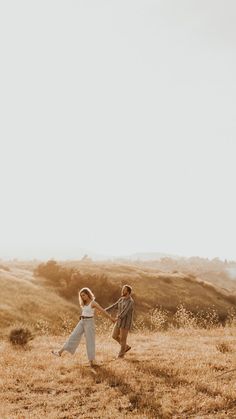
{"x": 135, "y": 393}
{"x": 173, "y": 380}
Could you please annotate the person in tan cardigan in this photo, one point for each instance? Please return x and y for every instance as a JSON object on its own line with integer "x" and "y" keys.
{"x": 125, "y": 306}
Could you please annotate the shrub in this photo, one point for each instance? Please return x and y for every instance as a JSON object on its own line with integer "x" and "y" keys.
{"x": 20, "y": 336}
{"x": 54, "y": 273}
{"x": 207, "y": 319}
{"x": 159, "y": 319}
{"x": 140, "y": 325}
{"x": 223, "y": 347}
{"x": 69, "y": 281}
{"x": 184, "y": 318}
{"x": 42, "y": 326}
{"x": 231, "y": 318}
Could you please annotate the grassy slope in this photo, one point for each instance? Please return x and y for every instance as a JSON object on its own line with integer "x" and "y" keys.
{"x": 168, "y": 290}
{"x": 165, "y": 375}
{"x": 23, "y": 300}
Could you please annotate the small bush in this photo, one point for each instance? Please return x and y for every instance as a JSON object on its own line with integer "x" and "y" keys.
{"x": 184, "y": 318}
{"x": 223, "y": 347}
{"x": 42, "y": 326}
{"x": 20, "y": 336}
{"x": 207, "y": 319}
{"x": 139, "y": 325}
{"x": 231, "y": 318}
{"x": 159, "y": 319}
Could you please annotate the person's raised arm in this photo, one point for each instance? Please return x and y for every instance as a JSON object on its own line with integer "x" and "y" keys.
{"x": 102, "y": 310}
{"x": 115, "y": 305}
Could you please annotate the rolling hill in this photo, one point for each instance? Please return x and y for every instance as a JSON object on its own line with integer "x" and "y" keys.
{"x": 22, "y": 300}
{"x": 33, "y": 300}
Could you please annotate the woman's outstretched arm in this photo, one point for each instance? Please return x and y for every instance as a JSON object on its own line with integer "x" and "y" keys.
{"x": 115, "y": 305}
{"x": 99, "y": 308}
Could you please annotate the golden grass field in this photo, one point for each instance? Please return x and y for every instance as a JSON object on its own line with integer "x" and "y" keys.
{"x": 176, "y": 374}
{"x": 179, "y": 371}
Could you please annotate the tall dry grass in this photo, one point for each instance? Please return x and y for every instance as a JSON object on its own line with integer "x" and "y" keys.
{"x": 183, "y": 372}
{"x": 181, "y": 365}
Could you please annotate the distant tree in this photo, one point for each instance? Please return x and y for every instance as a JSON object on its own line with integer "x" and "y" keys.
{"x": 86, "y": 258}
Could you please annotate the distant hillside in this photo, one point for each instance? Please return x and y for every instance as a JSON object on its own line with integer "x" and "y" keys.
{"x": 37, "y": 300}
{"x": 153, "y": 288}
{"x": 142, "y": 256}
{"x": 220, "y": 273}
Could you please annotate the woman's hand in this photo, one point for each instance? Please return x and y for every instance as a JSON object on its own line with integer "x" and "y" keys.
{"x": 104, "y": 312}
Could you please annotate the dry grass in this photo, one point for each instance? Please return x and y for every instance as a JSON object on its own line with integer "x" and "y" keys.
{"x": 23, "y": 301}
{"x": 182, "y": 373}
{"x": 174, "y": 374}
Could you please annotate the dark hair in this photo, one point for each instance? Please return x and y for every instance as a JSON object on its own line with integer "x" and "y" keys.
{"x": 129, "y": 288}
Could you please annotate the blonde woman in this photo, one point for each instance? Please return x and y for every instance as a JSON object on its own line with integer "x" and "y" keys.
{"x": 85, "y": 326}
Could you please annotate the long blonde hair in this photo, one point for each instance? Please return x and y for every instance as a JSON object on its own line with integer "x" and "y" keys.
{"x": 88, "y": 292}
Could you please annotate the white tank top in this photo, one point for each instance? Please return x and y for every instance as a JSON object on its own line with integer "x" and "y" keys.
{"x": 88, "y": 311}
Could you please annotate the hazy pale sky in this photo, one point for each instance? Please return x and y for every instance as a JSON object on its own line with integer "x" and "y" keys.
{"x": 118, "y": 127}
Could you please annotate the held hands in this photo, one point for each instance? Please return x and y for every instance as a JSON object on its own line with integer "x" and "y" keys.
{"x": 113, "y": 319}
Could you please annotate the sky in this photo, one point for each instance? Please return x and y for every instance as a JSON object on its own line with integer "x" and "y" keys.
{"x": 118, "y": 128}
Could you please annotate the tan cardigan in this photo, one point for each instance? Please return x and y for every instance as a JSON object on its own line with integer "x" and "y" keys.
{"x": 125, "y": 312}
